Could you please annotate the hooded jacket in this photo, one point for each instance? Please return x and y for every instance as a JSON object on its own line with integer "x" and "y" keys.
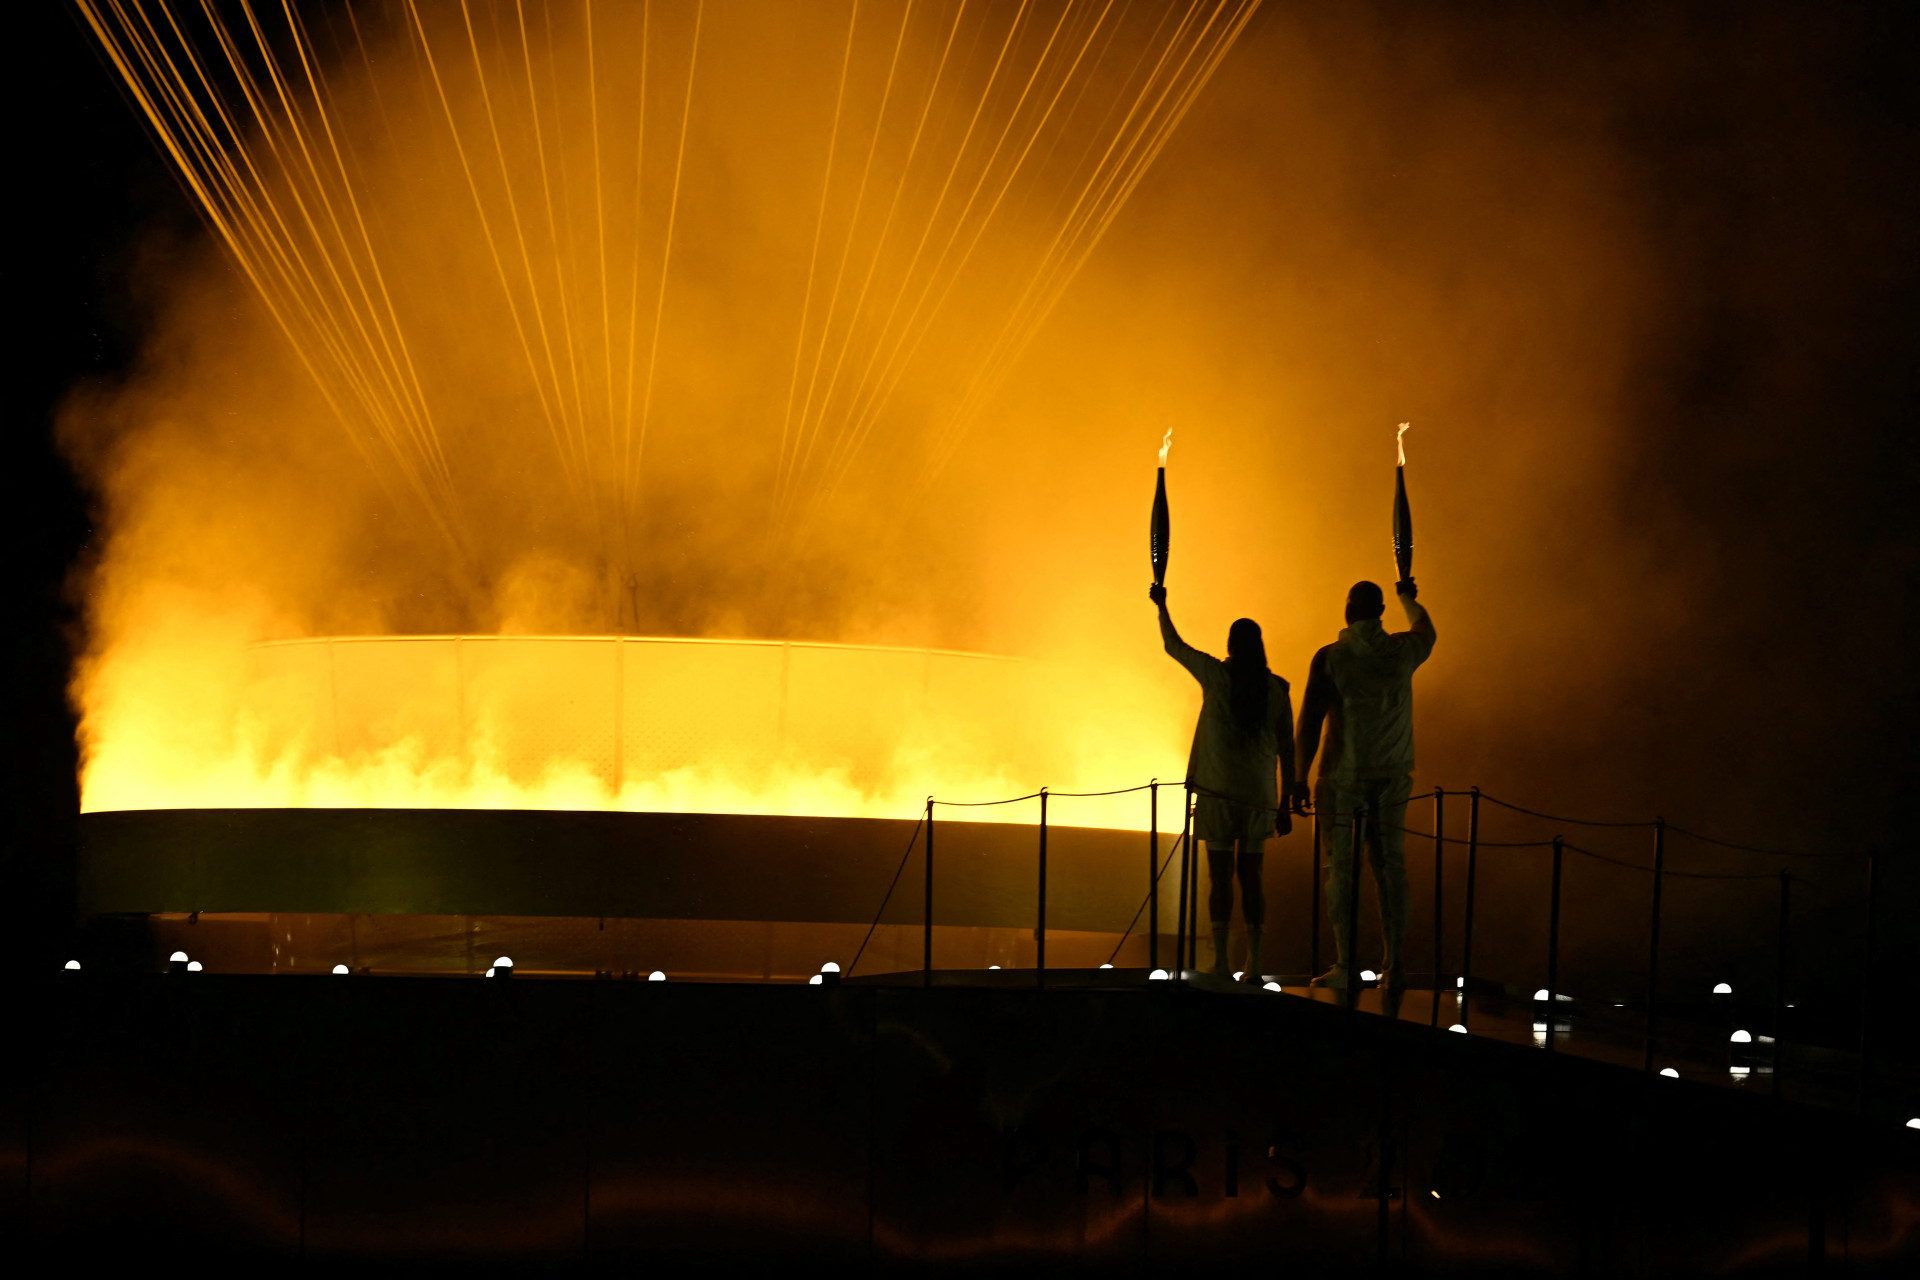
{"x": 1362, "y": 684}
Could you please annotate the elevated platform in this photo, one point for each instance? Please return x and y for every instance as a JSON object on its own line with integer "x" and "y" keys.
{"x": 1128, "y": 1130}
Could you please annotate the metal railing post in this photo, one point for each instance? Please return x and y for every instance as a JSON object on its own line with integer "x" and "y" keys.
{"x": 1313, "y": 913}
{"x": 1466, "y": 934}
{"x": 1180, "y": 910}
{"x": 1153, "y": 875}
{"x": 1653, "y": 936}
{"x": 926, "y": 944}
{"x": 1353, "y": 913}
{"x": 1553, "y": 945}
{"x": 1866, "y": 983}
{"x": 1780, "y": 978}
{"x": 1439, "y": 881}
{"x": 1193, "y": 917}
{"x": 1040, "y": 929}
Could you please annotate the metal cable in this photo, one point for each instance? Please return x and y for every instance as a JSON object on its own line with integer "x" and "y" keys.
{"x": 911, "y": 841}
{"x": 1178, "y": 840}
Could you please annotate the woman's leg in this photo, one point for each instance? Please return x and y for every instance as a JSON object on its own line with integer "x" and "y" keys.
{"x": 1253, "y": 901}
{"x": 1220, "y": 901}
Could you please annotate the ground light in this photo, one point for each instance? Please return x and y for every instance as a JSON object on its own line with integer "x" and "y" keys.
{"x": 656, "y": 976}
{"x": 502, "y": 968}
{"x": 1270, "y": 986}
{"x": 1723, "y": 988}
{"x": 1670, "y": 1072}
{"x": 1158, "y": 975}
{"x": 1914, "y": 1123}
{"x": 1106, "y": 966}
{"x": 1461, "y": 1027}
{"x": 341, "y": 969}
{"x": 194, "y": 966}
{"x": 1741, "y": 1037}
{"x": 73, "y": 965}
{"x": 1239, "y": 974}
{"x": 1368, "y": 975}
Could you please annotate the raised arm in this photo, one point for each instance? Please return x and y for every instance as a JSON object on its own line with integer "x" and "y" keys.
{"x": 1177, "y": 649}
{"x": 1420, "y": 633}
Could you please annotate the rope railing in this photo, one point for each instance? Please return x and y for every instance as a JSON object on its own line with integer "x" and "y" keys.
{"x": 1534, "y": 813}
{"x": 1748, "y": 848}
{"x": 1363, "y": 821}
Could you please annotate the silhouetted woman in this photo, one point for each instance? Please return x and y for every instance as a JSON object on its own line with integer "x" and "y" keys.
{"x": 1244, "y": 736}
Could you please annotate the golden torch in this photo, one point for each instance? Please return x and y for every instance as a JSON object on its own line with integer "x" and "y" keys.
{"x": 1158, "y": 531}
{"x": 1402, "y": 515}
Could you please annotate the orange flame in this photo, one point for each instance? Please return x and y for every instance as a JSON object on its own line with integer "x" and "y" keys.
{"x": 1400, "y": 442}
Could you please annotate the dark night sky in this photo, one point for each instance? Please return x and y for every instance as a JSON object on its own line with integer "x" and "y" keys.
{"x": 1777, "y": 148}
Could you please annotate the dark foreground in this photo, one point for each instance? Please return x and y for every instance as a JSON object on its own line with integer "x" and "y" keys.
{"x": 408, "y": 1121}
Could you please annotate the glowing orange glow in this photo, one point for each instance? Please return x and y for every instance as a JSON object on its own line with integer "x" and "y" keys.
{"x": 554, "y": 276}
{"x": 538, "y": 326}
{"x": 591, "y": 722}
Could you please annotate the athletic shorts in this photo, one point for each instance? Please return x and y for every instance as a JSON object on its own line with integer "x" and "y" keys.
{"x": 1223, "y": 822}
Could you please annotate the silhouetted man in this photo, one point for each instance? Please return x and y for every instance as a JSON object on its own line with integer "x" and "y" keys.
{"x": 1361, "y": 686}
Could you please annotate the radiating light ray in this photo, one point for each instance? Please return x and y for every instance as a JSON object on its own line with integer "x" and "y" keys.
{"x": 813, "y": 257}
{"x": 893, "y": 206}
{"x": 878, "y": 406}
{"x": 853, "y": 221}
{"x": 902, "y": 337}
{"x": 630, "y": 481}
{"x": 513, "y": 210}
{"x": 576, "y": 429}
{"x": 639, "y": 208}
{"x": 1039, "y": 306}
{"x": 209, "y": 145}
{"x": 552, "y": 420}
{"x": 932, "y": 219}
{"x": 391, "y": 326}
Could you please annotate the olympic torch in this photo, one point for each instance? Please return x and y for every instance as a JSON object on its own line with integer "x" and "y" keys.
{"x": 1158, "y": 531}
{"x": 1402, "y": 515}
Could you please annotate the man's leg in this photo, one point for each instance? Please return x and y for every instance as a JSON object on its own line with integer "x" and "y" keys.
{"x": 1220, "y": 902}
{"x": 1388, "y": 856}
{"x": 1253, "y": 901}
{"x": 1336, "y": 831}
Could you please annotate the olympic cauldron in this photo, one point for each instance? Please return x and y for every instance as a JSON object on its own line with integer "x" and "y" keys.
{"x": 619, "y": 805}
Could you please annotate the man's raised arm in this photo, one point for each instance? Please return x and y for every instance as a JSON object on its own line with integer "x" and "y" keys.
{"x": 1419, "y": 622}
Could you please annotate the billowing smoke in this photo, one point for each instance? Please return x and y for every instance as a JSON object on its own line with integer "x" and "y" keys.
{"x": 733, "y": 431}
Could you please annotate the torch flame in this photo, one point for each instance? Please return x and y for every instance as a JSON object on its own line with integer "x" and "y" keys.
{"x": 1165, "y": 445}
{"x": 1400, "y": 442}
